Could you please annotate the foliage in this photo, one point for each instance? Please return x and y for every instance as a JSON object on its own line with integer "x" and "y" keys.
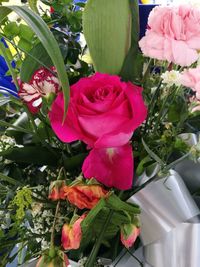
{"x": 31, "y": 156}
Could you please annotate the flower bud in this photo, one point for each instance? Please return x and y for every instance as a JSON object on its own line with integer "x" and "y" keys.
{"x": 72, "y": 234}
{"x": 58, "y": 260}
{"x": 129, "y": 233}
{"x": 56, "y": 190}
{"x": 84, "y": 196}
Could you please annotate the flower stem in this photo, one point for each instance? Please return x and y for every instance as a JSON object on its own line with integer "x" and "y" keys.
{"x": 95, "y": 250}
{"x": 152, "y": 107}
{"x": 54, "y": 224}
{"x": 93, "y": 255}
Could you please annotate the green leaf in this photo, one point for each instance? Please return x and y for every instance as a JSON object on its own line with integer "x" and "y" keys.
{"x": 32, "y": 155}
{"x": 47, "y": 39}
{"x": 92, "y": 215}
{"x": 11, "y": 29}
{"x": 4, "y": 100}
{"x": 178, "y": 110}
{"x": 74, "y": 162}
{"x": 8, "y": 179}
{"x": 152, "y": 154}
{"x": 133, "y": 64}
{"x": 141, "y": 167}
{"x": 25, "y": 32}
{"x": 33, "y": 5}
{"x": 40, "y": 53}
{"x": 12, "y": 126}
{"x": 25, "y": 45}
{"x": 192, "y": 123}
{"x": 107, "y": 29}
{"x": 115, "y": 203}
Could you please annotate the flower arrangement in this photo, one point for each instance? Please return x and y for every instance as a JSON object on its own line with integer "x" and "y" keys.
{"x": 78, "y": 135}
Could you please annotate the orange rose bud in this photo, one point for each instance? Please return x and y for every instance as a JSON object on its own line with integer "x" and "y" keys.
{"x": 59, "y": 260}
{"x": 129, "y": 233}
{"x": 72, "y": 234}
{"x": 84, "y": 196}
{"x": 56, "y": 190}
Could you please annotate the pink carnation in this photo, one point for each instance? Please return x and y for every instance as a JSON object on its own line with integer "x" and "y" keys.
{"x": 191, "y": 78}
{"x": 103, "y": 112}
{"x": 42, "y": 83}
{"x": 173, "y": 34}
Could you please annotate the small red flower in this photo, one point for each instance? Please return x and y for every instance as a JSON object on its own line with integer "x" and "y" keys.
{"x": 52, "y": 10}
{"x": 42, "y": 84}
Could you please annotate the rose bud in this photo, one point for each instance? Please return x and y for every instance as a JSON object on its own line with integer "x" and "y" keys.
{"x": 56, "y": 190}
{"x": 72, "y": 234}
{"x": 129, "y": 233}
{"x": 84, "y": 196}
{"x": 42, "y": 84}
{"x": 59, "y": 260}
{"x": 52, "y": 10}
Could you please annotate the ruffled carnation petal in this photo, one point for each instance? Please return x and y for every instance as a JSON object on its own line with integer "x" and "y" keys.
{"x": 173, "y": 34}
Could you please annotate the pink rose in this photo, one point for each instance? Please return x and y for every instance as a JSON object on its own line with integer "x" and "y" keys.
{"x": 191, "y": 78}
{"x": 72, "y": 234}
{"x": 173, "y": 34}
{"x": 103, "y": 112}
{"x": 42, "y": 84}
{"x": 129, "y": 233}
{"x": 84, "y": 196}
{"x": 56, "y": 190}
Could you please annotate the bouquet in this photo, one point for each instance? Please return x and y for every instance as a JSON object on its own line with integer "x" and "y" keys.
{"x": 88, "y": 109}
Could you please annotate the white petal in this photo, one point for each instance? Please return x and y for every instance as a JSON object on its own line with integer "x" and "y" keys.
{"x": 37, "y": 102}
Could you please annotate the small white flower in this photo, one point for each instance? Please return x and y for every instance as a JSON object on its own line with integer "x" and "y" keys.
{"x": 172, "y": 77}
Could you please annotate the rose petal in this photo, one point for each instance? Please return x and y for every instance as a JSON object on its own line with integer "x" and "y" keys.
{"x": 64, "y": 131}
{"x": 112, "y": 167}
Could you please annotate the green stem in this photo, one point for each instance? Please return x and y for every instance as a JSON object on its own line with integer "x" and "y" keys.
{"x": 147, "y": 71}
{"x": 9, "y": 179}
{"x": 54, "y": 224}
{"x": 93, "y": 255}
{"x": 162, "y": 114}
{"x": 36, "y": 131}
{"x": 92, "y": 258}
{"x": 152, "y": 107}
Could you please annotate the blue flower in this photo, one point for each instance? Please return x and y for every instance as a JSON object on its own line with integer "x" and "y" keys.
{"x": 6, "y": 84}
{"x": 79, "y": 1}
